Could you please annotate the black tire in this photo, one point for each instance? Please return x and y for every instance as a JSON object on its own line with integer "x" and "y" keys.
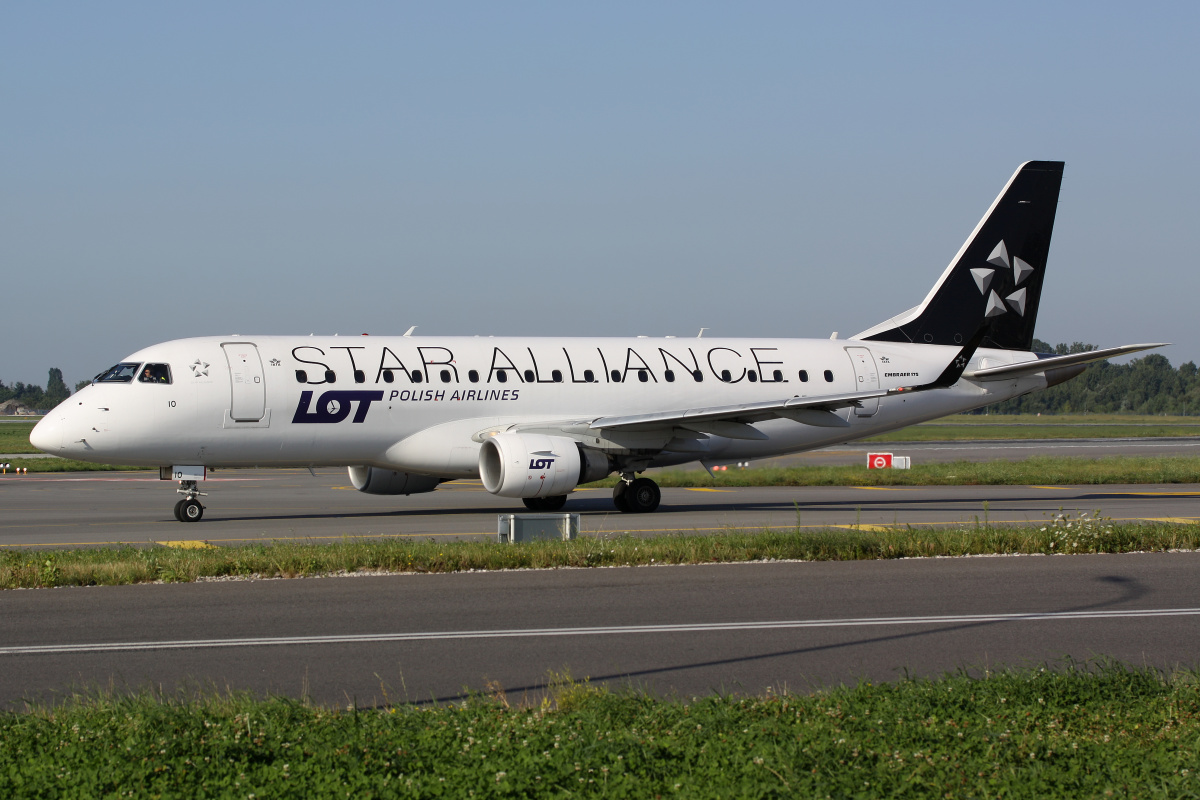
{"x": 643, "y": 496}
{"x": 554, "y": 503}
{"x": 533, "y": 503}
{"x": 621, "y": 497}
{"x": 179, "y": 510}
{"x": 191, "y": 510}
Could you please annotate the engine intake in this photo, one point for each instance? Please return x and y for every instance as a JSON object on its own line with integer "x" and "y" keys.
{"x": 374, "y": 480}
{"x": 536, "y": 465}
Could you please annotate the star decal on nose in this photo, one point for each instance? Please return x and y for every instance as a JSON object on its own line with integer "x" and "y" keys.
{"x": 199, "y": 368}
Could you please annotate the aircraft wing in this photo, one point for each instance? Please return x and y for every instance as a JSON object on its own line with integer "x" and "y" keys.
{"x": 1010, "y": 371}
{"x": 732, "y": 421}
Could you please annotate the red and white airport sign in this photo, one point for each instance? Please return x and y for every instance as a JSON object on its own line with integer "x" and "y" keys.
{"x": 879, "y": 460}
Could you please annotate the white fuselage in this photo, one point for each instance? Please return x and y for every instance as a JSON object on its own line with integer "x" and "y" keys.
{"x": 418, "y": 403}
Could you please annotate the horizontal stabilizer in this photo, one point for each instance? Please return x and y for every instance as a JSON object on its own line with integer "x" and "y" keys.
{"x": 1010, "y": 371}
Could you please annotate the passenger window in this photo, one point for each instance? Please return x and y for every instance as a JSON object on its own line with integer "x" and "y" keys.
{"x": 752, "y": 375}
{"x": 473, "y": 376}
{"x": 642, "y": 376}
{"x": 616, "y": 376}
{"x": 121, "y": 373}
{"x": 556, "y": 375}
{"x": 155, "y": 373}
{"x": 589, "y": 376}
{"x": 330, "y": 377}
{"x": 417, "y": 377}
{"x": 529, "y": 376}
{"x": 725, "y": 376}
{"x": 804, "y": 376}
{"x": 829, "y": 375}
{"x": 445, "y": 376}
{"x": 360, "y": 376}
{"x": 670, "y": 376}
{"x": 698, "y": 375}
{"x": 501, "y": 376}
{"x": 302, "y": 377}
{"x": 777, "y": 375}
{"x": 388, "y": 377}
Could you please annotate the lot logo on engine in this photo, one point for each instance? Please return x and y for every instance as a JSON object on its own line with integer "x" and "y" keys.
{"x": 541, "y": 463}
{"x": 334, "y": 406}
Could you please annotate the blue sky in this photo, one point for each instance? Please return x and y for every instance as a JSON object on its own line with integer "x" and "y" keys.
{"x": 760, "y": 169}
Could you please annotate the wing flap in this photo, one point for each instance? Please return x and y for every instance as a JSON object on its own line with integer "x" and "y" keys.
{"x": 692, "y": 418}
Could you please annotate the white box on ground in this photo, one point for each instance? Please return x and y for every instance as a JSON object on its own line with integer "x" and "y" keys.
{"x": 901, "y": 462}
{"x": 181, "y": 472}
{"x": 513, "y": 528}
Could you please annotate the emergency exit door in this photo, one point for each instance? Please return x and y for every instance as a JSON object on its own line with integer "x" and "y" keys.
{"x": 866, "y": 378}
{"x": 248, "y": 401}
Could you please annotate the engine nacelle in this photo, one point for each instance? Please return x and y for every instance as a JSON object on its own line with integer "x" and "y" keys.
{"x": 536, "y": 465}
{"x": 374, "y": 480}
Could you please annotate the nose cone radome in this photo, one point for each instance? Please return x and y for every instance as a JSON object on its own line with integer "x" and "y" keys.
{"x": 47, "y": 435}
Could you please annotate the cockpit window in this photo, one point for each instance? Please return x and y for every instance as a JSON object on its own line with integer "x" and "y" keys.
{"x": 155, "y": 373}
{"x": 121, "y": 373}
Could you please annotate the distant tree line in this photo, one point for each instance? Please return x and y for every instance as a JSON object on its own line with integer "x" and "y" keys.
{"x": 1148, "y": 385}
{"x": 34, "y": 396}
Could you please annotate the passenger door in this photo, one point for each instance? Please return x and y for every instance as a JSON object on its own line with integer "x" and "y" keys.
{"x": 249, "y": 391}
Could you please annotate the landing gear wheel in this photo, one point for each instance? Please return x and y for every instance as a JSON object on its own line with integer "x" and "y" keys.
{"x": 643, "y": 496}
{"x": 621, "y": 497}
{"x": 179, "y": 510}
{"x": 545, "y": 503}
{"x": 554, "y": 503}
{"x": 190, "y": 510}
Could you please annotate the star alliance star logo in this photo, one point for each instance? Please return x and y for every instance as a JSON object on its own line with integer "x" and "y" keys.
{"x": 983, "y": 279}
{"x": 199, "y": 368}
{"x": 275, "y": 362}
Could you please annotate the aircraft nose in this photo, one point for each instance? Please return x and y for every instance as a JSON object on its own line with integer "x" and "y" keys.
{"x": 47, "y": 434}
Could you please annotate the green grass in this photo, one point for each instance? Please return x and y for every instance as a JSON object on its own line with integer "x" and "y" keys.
{"x": 1079, "y": 730}
{"x": 68, "y": 465}
{"x": 14, "y": 437}
{"x": 1088, "y": 533}
{"x": 1032, "y": 471}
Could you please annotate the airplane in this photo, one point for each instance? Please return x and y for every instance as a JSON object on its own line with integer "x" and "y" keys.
{"x": 536, "y": 417}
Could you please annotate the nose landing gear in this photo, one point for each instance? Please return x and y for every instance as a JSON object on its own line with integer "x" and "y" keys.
{"x": 189, "y": 509}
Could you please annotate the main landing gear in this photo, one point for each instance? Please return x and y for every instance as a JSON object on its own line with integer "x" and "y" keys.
{"x": 189, "y": 509}
{"x": 545, "y": 503}
{"x": 636, "y": 495}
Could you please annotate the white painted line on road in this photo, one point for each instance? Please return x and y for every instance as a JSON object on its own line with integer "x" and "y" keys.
{"x": 186, "y": 644}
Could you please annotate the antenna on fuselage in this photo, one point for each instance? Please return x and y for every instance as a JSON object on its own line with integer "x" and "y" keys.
{"x": 410, "y": 330}
{"x": 700, "y": 335}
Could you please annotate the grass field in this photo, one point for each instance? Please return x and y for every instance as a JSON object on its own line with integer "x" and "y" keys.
{"x": 1100, "y": 730}
{"x": 1059, "y": 534}
{"x": 1032, "y": 471}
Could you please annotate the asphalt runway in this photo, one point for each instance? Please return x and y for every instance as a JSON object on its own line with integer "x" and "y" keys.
{"x": 261, "y": 505}
{"x": 679, "y": 631}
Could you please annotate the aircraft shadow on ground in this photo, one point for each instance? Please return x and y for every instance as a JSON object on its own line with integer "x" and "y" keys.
{"x": 1130, "y": 590}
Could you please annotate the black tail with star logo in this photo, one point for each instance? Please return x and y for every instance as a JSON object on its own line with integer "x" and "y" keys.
{"x": 994, "y": 283}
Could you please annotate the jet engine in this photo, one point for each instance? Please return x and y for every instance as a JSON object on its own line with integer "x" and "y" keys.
{"x": 536, "y": 465}
{"x": 374, "y": 480}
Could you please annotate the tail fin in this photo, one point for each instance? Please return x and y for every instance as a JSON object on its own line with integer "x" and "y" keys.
{"x": 996, "y": 278}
